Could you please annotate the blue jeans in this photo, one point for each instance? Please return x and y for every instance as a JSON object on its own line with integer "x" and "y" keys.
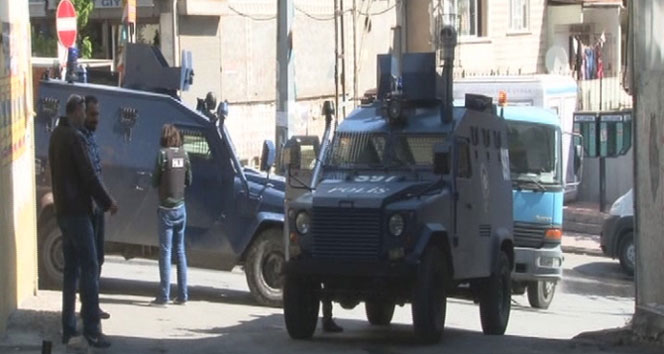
{"x": 172, "y": 224}
{"x": 80, "y": 254}
{"x": 98, "y": 220}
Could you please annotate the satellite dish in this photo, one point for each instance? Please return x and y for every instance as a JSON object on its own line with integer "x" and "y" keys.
{"x": 557, "y": 61}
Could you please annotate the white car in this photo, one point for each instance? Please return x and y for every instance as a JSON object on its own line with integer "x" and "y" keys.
{"x": 618, "y": 233}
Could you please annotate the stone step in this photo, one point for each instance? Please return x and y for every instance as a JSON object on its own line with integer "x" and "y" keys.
{"x": 581, "y": 227}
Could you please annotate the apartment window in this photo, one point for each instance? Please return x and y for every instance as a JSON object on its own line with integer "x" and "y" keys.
{"x": 519, "y": 15}
{"x": 468, "y": 16}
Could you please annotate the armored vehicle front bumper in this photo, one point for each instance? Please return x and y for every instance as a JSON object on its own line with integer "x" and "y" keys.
{"x": 336, "y": 268}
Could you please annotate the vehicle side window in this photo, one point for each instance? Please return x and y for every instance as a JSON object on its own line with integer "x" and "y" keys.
{"x": 463, "y": 159}
{"x": 195, "y": 144}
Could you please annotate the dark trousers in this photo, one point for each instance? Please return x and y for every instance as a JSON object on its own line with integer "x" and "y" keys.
{"x": 80, "y": 254}
{"x": 98, "y": 218}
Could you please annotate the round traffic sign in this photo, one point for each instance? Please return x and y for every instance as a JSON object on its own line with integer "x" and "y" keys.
{"x": 65, "y": 23}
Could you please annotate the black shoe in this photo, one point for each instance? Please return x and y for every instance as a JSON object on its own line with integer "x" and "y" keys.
{"x": 330, "y": 326}
{"x": 104, "y": 315}
{"x": 66, "y": 336}
{"x": 180, "y": 302}
{"x": 158, "y": 303}
{"x": 97, "y": 341}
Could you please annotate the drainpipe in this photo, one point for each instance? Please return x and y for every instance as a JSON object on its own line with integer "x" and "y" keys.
{"x": 176, "y": 38}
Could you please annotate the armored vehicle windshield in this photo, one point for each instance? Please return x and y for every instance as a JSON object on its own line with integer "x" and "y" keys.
{"x": 380, "y": 150}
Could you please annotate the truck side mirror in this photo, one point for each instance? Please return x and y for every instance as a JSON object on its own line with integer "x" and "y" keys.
{"x": 578, "y": 161}
{"x": 268, "y": 156}
{"x": 442, "y": 161}
{"x": 290, "y": 156}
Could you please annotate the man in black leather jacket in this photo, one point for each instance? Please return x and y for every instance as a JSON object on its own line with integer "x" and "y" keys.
{"x": 74, "y": 185}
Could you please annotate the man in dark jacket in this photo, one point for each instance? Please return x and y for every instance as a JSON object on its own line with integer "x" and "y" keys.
{"x": 98, "y": 217}
{"x": 75, "y": 184}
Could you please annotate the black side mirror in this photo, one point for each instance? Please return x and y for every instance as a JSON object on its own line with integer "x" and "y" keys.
{"x": 268, "y": 155}
{"x": 578, "y": 161}
{"x": 442, "y": 160}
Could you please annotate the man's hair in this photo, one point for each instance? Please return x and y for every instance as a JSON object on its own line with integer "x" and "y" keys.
{"x": 90, "y": 99}
{"x": 170, "y": 136}
{"x": 73, "y": 102}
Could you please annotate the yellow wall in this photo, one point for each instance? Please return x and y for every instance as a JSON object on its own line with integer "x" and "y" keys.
{"x": 18, "y": 241}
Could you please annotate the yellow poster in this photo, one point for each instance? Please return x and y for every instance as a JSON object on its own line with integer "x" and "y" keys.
{"x": 15, "y": 96}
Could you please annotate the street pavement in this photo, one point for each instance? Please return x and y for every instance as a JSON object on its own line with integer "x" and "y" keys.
{"x": 223, "y": 318}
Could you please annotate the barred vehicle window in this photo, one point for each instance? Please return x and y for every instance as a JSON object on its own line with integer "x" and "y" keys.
{"x": 417, "y": 149}
{"x": 353, "y": 149}
{"x": 194, "y": 143}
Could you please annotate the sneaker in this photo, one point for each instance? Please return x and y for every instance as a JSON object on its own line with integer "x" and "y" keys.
{"x": 97, "y": 341}
{"x": 180, "y": 302}
{"x": 104, "y": 315}
{"x": 158, "y": 303}
{"x": 330, "y": 326}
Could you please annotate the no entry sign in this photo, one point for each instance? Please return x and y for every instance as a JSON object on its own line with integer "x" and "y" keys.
{"x": 65, "y": 23}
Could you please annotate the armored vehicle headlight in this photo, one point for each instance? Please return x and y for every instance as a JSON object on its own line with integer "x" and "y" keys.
{"x": 396, "y": 225}
{"x": 302, "y": 222}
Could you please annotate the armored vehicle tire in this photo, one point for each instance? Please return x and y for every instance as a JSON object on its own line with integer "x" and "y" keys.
{"x": 51, "y": 258}
{"x": 627, "y": 253}
{"x": 301, "y": 306}
{"x": 540, "y": 294}
{"x": 264, "y": 267}
{"x": 496, "y": 298}
{"x": 429, "y": 300}
{"x": 379, "y": 313}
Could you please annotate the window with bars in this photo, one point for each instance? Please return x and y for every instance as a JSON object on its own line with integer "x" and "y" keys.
{"x": 467, "y": 16}
{"x": 195, "y": 144}
{"x": 519, "y": 15}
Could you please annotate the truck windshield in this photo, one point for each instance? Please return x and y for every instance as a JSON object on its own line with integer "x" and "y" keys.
{"x": 534, "y": 153}
{"x": 379, "y": 150}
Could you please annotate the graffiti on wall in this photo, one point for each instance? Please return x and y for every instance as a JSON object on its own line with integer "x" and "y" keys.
{"x": 14, "y": 93}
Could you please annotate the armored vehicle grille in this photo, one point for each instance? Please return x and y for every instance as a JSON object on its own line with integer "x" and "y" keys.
{"x": 529, "y": 235}
{"x": 346, "y": 233}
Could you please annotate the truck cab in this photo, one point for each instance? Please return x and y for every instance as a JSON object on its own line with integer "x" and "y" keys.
{"x": 235, "y": 214}
{"x": 535, "y": 147}
{"x": 409, "y": 202}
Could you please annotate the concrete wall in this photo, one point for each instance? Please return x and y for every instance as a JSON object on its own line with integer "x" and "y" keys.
{"x": 619, "y": 178}
{"x": 235, "y": 57}
{"x": 18, "y": 249}
{"x": 648, "y": 75}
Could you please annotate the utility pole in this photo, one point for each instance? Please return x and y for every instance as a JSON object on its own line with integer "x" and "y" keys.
{"x": 285, "y": 99}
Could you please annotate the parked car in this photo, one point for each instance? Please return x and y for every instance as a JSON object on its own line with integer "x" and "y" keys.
{"x": 618, "y": 233}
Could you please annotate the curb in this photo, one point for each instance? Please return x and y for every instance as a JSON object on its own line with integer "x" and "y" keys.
{"x": 582, "y": 250}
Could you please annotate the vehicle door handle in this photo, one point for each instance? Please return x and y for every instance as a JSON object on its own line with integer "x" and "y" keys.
{"x": 469, "y": 206}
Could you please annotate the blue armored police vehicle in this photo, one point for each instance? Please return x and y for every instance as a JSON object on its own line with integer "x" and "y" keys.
{"x": 409, "y": 201}
{"x": 235, "y": 214}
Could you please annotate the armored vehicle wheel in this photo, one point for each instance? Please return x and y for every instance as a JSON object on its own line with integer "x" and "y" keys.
{"x": 301, "y": 305}
{"x": 379, "y": 313}
{"x": 51, "y": 258}
{"x": 496, "y": 298}
{"x": 540, "y": 294}
{"x": 429, "y": 302}
{"x": 264, "y": 268}
{"x": 627, "y": 253}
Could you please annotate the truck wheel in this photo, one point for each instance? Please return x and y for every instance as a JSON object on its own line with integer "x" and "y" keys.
{"x": 264, "y": 268}
{"x": 301, "y": 305}
{"x": 496, "y": 298}
{"x": 429, "y": 302}
{"x": 627, "y": 253}
{"x": 379, "y": 313}
{"x": 540, "y": 294}
{"x": 51, "y": 258}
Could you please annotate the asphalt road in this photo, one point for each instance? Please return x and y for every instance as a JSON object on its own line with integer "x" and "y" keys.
{"x": 223, "y": 318}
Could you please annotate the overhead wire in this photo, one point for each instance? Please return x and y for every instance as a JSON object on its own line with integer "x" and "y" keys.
{"x": 251, "y": 17}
